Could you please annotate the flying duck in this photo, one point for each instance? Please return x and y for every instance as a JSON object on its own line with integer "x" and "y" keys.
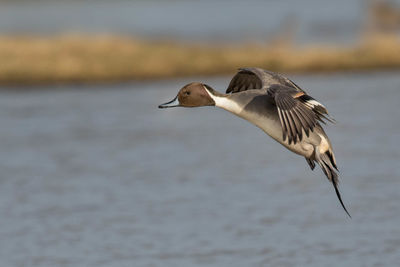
{"x": 276, "y": 105}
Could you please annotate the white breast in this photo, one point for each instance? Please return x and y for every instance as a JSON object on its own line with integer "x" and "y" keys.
{"x": 270, "y": 126}
{"x": 227, "y": 104}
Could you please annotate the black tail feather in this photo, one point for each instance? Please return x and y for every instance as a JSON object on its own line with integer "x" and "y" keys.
{"x": 340, "y": 198}
{"x": 311, "y": 163}
{"x": 328, "y": 165}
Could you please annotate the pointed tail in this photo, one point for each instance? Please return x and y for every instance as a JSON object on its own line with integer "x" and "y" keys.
{"x": 327, "y": 163}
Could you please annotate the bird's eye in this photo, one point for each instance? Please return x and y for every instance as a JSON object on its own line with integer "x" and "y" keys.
{"x": 187, "y": 92}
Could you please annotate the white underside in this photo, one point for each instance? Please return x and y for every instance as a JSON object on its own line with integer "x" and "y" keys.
{"x": 271, "y": 127}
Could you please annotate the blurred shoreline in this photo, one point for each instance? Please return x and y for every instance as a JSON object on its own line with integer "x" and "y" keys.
{"x": 30, "y": 60}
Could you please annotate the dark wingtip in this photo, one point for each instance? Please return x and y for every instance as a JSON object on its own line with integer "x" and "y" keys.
{"x": 330, "y": 119}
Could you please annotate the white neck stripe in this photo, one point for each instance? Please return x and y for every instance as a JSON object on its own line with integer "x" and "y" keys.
{"x": 225, "y": 103}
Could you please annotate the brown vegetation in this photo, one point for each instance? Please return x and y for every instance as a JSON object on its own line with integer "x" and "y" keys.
{"x": 29, "y": 60}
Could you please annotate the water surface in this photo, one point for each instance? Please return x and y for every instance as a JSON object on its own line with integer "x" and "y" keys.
{"x": 98, "y": 176}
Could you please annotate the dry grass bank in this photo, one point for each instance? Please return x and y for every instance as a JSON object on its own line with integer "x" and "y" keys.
{"x": 30, "y": 60}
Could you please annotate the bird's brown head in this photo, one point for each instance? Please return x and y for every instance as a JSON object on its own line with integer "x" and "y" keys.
{"x": 191, "y": 95}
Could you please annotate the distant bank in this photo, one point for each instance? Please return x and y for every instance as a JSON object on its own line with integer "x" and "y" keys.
{"x": 28, "y": 60}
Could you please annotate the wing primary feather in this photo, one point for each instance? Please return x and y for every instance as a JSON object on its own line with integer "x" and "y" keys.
{"x": 245, "y": 79}
{"x": 328, "y": 118}
{"x": 283, "y": 107}
{"x": 282, "y": 124}
{"x": 289, "y": 128}
{"x": 297, "y": 126}
{"x": 308, "y": 124}
{"x": 297, "y": 123}
{"x": 308, "y": 114}
{"x": 292, "y": 126}
{"x": 305, "y": 117}
{"x": 294, "y": 120}
{"x": 302, "y": 120}
{"x": 286, "y": 127}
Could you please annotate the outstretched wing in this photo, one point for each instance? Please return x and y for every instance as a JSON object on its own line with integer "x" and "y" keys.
{"x": 297, "y": 111}
{"x": 256, "y": 78}
{"x": 244, "y": 80}
{"x": 295, "y": 116}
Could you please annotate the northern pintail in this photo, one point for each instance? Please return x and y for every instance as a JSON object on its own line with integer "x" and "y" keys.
{"x": 279, "y": 107}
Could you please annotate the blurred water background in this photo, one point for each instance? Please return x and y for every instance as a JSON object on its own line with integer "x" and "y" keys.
{"x": 194, "y": 20}
{"x": 96, "y": 175}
